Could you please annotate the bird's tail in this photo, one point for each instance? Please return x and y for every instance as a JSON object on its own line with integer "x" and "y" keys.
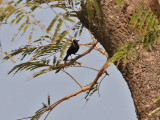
{"x": 65, "y": 59}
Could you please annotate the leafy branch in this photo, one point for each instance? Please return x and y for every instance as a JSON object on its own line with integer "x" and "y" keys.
{"x": 83, "y": 89}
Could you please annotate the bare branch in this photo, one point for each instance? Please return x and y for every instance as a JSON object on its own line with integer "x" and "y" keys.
{"x": 83, "y": 89}
{"x": 25, "y": 118}
{"x": 72, "y": 78}
{"x": 1, "y": 51}
{"x": 101, "y": 71}
{"x": 102, "y": 51}
{"x": 47, "y": 115}
{"x": 87, "y": 67}
{"x": 100, "y": 84}
{"x": 97, "y": 48}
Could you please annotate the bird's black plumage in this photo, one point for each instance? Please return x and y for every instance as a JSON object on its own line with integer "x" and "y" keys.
{"x": 72, "y": 49}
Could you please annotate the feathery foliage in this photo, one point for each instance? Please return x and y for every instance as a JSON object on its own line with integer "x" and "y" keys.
{"x": 118, "y": 2}
{"x": 57, "y": 38}
{"x": 43, "y": 109}
{"x": 146, "y": 23}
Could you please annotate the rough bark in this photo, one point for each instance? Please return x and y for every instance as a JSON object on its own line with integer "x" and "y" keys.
{"x": 113, "y": 30}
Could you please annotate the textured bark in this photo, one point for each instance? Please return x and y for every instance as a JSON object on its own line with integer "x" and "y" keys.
{"x": 113, "y": 30}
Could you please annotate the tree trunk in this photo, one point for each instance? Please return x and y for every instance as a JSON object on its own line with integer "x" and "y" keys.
{"x": 112, "y": 30}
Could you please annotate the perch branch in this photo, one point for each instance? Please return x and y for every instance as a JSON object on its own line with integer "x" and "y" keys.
{"x": 76, "y": 58}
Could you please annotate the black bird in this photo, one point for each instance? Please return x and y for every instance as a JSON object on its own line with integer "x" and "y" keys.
{"x": 72, "y": 49}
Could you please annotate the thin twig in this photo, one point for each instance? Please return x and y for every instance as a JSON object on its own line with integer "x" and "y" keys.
{"x": 83, "y": 89}
{"x": 92, "y": 69}
{"x": 47, "y": 115}
{"x": 87, "y": 67}
{"x": 97, "y": 48}
{"x": 25, "y": 118}
{"x": 100, "y": 84}
{"x": 72, "y": 78}
{"x": 91, "y": 36}
{"x": 1, "y": 51}
{"x": 101, "y": 71}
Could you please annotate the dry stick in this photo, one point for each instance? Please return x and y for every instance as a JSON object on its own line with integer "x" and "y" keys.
{"x": 100, "y": 84}
{"x": 91, "y": 69}
{"x": 101, "y": 71}
{"x": 86, "y": 67}
{"x": 47, "y": 115}
{"x": 91, "y": 35}
{"x": 25, "y": 118}
{"x": 102, "y": 51}
{"x": 83, "y": 89}
{"x": 72, "y": 78}
{"x": 97, "y": 48}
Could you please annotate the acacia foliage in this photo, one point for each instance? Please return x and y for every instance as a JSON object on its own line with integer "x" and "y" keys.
{"x": 49, "y": 49}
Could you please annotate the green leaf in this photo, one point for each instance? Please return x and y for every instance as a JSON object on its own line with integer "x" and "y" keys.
{"x": 151, "y": 23}
{"x": 68, "y": 19}
{"x": 12, "y": 20}
{"x": 143, "y": 19}
{"x": 54, "y": 60}
{"x": 81, "y": 29}
{"x": 42, "y": 72}
{"x": 96, "y": 6}
{"x": 138, "y": 15}
{"x": 49, "y": 101}
{"x": 22, "y": 25}
{"x": 148, "y": 21}
{"x": 63, "y": 34}
{"x": 57, "y": 30}
{"x": 19, "y": 19}
{"x": 122, "y": 50}
{"x": 25, "y": 28}
{"x": 19, "y": 14}
{"x": 52, "y": 24}
{"x": 118, "y": 2}
{"x": 10, "y": 13}
{"x": 133, "y": 17}
{"x": 89, "y": 10}
{"x": 64, "y": 48}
